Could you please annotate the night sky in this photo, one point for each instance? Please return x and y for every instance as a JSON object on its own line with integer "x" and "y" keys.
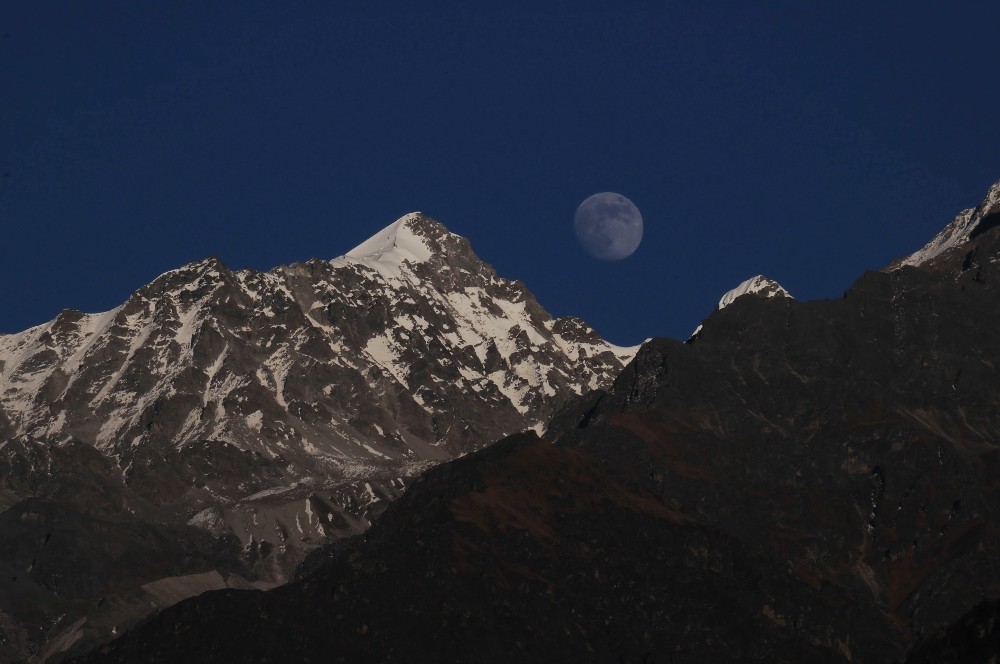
{"x": 805, "y": 141}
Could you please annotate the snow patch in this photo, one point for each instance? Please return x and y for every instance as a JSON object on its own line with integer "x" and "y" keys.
{"x": 387, "y": 250}
{"x": 383, "y": 352}
{"x": 255, "y": 420}
{"x": 955, "y": 234}
{"x": 759, "y": 285}
{"x": 372, "y": 450}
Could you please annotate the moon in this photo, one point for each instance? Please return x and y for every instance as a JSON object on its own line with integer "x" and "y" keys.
{"x": 608, "y": 226}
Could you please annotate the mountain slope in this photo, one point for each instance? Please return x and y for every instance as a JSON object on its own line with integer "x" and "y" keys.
{"x": 405, "y": 352}
{"x": 204, "y": 352}
{"x": 805, "y": 481}
{"x": 966, "y": 225}
{"x": 269, "y": 412}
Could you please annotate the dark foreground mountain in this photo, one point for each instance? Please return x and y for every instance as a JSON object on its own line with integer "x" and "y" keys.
{"x": 220, "y": 424}
{"x": 803, "y": 481}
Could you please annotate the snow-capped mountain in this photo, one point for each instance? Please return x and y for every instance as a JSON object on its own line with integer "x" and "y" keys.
{"x": 363, "y": 352}
{"x": 966, "y": 225}
{"x": 807, "y": 482}
{"x": 406, "y": 351}
{"x": 759, "y": 285}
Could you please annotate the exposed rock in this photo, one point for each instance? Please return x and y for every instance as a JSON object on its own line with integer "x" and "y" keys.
{"x": 812, "y": 481}
{"x": 265, "y": 413}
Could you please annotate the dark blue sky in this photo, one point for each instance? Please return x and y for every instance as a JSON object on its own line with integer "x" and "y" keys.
{"x": 808, "y": 143}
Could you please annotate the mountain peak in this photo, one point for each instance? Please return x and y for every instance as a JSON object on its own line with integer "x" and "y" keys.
{"x": 966, "y": 225}
{"x": 758, "y": 285}
{"x": 394, "y": 244}
{"x": 413, "y": 238}
{"x": 336, "y": 380}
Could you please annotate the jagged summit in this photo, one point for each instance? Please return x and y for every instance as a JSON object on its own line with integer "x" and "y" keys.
{"x": 282, "y": 409}
{"x": 406, "y": 239}
{"x": 361, "y": 371}
{"x": 412, "y": 305}
{"x": 417, "y": 247}
{"x": 759, "y": 285}
{"x": 805, "y": 483}
{"x": 966, "y": 226}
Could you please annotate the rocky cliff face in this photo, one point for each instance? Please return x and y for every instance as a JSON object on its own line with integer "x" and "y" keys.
{"x": 392, "y": 351}
{"x": 275, "y": 411}
{"x": 804, "y": 481}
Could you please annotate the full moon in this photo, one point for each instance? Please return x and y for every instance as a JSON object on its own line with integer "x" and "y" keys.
{"x": 608, "y": 226}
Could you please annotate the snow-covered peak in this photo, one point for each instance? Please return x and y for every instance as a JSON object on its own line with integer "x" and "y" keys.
{"x": 759, "y": 285}
{"x": 958, "y": 231}
{"x": 389, "y": 248}
{"x": 408, "y": 345}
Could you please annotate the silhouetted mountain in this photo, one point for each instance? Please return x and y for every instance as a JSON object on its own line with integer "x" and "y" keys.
{"x": 802, "y": 481}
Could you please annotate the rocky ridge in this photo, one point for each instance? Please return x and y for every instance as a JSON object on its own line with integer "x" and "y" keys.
{"x": 966, "y": 225}
{"x": 759, "y": 285}
{"x": 270, "y": 412}
{"x": 804, "y": 481}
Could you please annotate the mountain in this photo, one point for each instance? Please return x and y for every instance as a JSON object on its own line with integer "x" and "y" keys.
{"x": 257, "y": 416}
{"x": 804, "y": 481}
{"x": 966, "y": 225}
{"x": 759, "y": 285}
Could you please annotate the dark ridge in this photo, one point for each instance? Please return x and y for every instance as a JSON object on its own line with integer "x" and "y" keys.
{"x": 808, "y": 482}
{"x": 987, "y": 223}
{"x": 974, "y": 638}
